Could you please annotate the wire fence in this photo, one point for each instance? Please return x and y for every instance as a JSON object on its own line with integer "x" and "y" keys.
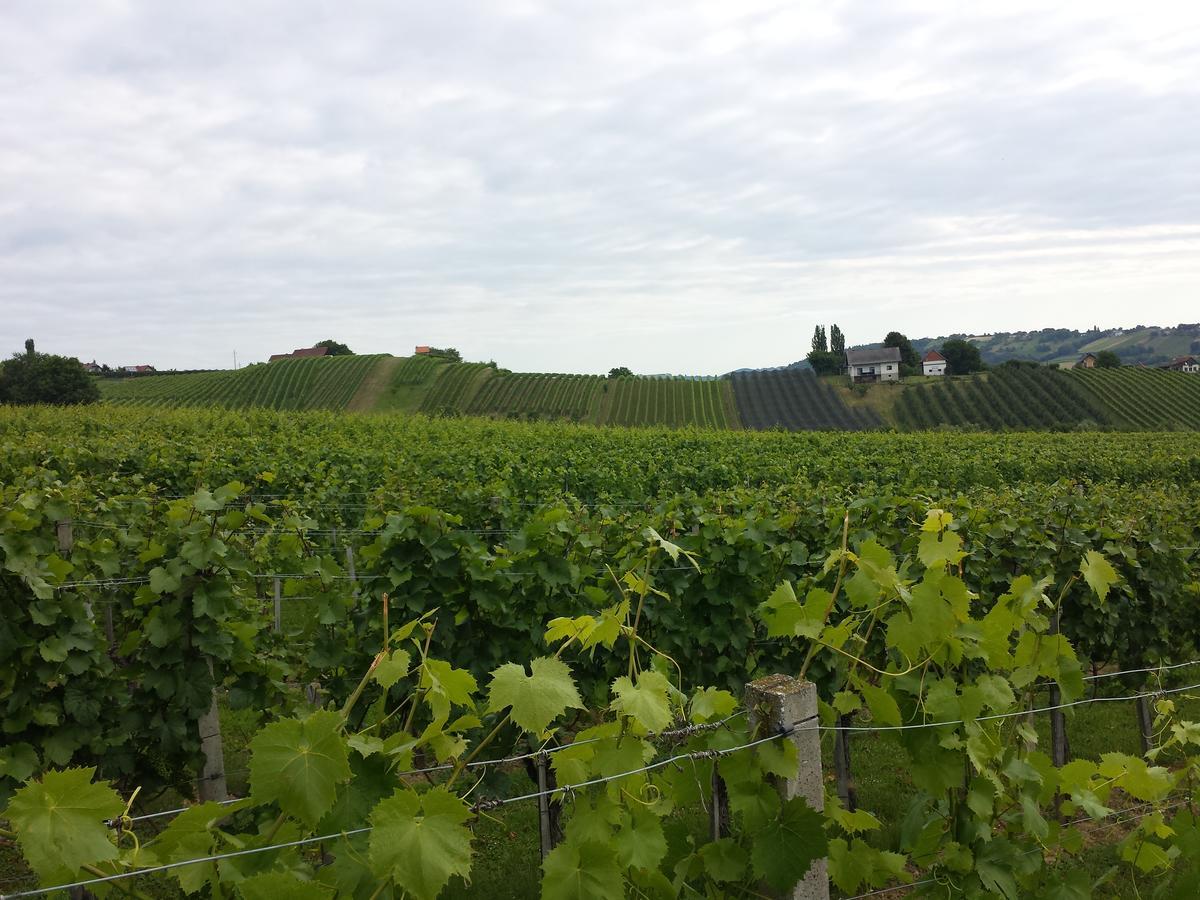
{"x": 567, "y": 791}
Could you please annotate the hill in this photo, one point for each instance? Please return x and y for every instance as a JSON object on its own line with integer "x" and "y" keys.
{"x": 1013, "y": 396}
{"x": 1149, "y": 345}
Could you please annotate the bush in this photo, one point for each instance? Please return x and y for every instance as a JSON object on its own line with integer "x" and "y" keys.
{"x": 33, "y": 377}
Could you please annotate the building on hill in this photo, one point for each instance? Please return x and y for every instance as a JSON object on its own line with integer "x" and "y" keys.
{"x": 1087, "y": 361}
{"x": 301, "y": 353}
{"x": 421, "y": 350}
{"x": 93, "y": 368}
{"x": 933, "y": 363}
{"x": 1183, "y": 364}
{"x": 879, "y": 364}
{"x": 137, "y": 370}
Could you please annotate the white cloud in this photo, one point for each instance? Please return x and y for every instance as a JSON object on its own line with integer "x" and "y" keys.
{"x": 561, "y": 186}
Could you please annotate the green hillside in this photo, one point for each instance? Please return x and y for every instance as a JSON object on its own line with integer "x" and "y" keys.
{"x": 1005, "y": 397}
{"x": 1149, "y": 345}
{"x": 318, "y": 383}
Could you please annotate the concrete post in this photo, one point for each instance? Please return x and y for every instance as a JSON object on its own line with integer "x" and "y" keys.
{"x": 777, "y": 703}
{"x": 212, "y": 778}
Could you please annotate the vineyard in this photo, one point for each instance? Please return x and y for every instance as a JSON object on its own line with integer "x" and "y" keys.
{"x": 1145, "y": 398}
{"x": 673, "y": 402}
{"x": 572, "y": 397}
{"x": 1019, "y": 398}
{"x": 327, "y": 383}
{"x": 795, "y": 401}
{"x": 1005, "y": 398}
{"x": 430, "y": 605}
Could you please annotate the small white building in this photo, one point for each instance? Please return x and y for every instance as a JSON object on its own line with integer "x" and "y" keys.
{"x": 933, "y": 363}
{"x": 866, "y": 366}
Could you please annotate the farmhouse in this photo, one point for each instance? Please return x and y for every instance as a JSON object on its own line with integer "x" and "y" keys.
{"x": 1184, "y": 364}
{"x": 92, "y": 368}
{"x": 138, "y": 370}
{"x": 421, "y": 350}
{"x": 933, "y": 363}
{"x": 1087, "y": 361}
{"x": 301, "y": 353}
{"x": 881, "y": 364}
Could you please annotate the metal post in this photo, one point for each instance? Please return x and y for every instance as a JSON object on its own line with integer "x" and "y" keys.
{"x": 780, "y": 703}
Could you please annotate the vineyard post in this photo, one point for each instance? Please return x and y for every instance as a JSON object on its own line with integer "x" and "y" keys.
{"x": 278, "y": 627}
{"x": 350, "y": 569}
{"x": 780, "y": 704}
{"x": 66, "y": 543}
{"x": 1060, "y": 749}
{"x": 1145, "y": 719}
{"x": 718, "y": 810}
{"x": 212, "y": 777}
{"x": 545, "y": 825}
{"x": 841, "y": 762}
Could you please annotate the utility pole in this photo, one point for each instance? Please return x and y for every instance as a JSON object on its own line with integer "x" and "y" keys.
{"x": 235, "y": 359}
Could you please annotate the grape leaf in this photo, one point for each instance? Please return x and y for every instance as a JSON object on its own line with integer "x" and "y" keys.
{"x": 724, "y": 860}
{"x": 392, "y": 669}
{"x": 588, "y": 871}
{"x": 445, "y": 685}
{"x": 936, "y": 550}
{"x": 646, "y": 702}
{"x": 272, "y": 885}
{"x": 420, "y": 841}
{"x": 883, "y": 707}
{"x": 190, "y": 836}
{"x": 785, "y": 849}
{"x": 709, "y": 704}
{"x": 536, "y": 699}
{"x": 1098, "y": 573}
{"x": 639, "y": 842}
{"x": 299, "y": 764}
{"x": 60, "y": 822}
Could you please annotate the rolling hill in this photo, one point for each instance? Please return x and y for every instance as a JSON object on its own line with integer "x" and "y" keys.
{"x": 1006, "y": 397}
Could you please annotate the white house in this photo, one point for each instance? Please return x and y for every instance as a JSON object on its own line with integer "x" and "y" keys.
{"x": 865, "y": 366}
{"x": 933, "y": 363}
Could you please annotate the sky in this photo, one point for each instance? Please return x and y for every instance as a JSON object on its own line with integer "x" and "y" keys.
{"x": 677, "y": 187}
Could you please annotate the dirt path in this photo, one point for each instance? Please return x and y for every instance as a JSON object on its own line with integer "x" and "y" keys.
{"x": 373, "y": 385}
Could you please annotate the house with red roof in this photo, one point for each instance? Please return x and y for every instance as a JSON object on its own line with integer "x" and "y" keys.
{"x": 301, "y": 353}
{"x": 933, "y": 363}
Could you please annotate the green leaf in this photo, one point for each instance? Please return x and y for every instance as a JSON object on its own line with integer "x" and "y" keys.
{"x": 18, "y": 762}
{"x": 392, "y": 669}
{"x": 299, "y": 764}
{"x": 163, "y": 582}
{"x": 785, "y": 849}
{"x": 60, "y": 822}
{"x": 1098, "y": 573}
{"x": 588, "y": 871}
{"x": 273, "y": 885}
{"x": 536, "y": 699}
{"x": 646, "y": 702}
{"x": 191, "y": 835}
{"x": 883, "y": 707}
{"x": 419, "y": 840}
{"x": 445, "y": 686}
{"x": 724, "y": 860}
{"x": 937, "y": 550}
{"x": 712, "y": 704}
{"x": 639, "y": 841}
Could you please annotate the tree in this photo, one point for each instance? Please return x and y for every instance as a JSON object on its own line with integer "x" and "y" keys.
{"x": 962, "y": 357}
{"x": 1107, "y": 359}
{"x": 447, "y": 353}
{"x": 820, "y": 344}
{"x": 910, "y": 363}
{"x": 33, "y": 377}
{"x": 837, "y": 340}
{"x": 335, "y": 349}
{"x": 825, "y": 363}
{"x": 620, "y": 372}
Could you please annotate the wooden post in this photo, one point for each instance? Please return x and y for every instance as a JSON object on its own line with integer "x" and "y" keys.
{"x": 841, "y": 763}
{"x": 212, "y": 778}
{"x": 1060, "y": 747}
{"x": 66, "y": 535}
{"x": 1145, "y": 719}
{"x": 542, "y": 761}
{"x": 718, "y": 810}
{"x": 278, "y": 606}
{"x": 780, "y": 703}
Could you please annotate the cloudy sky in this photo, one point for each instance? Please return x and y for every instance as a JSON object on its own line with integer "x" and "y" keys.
{"x": 683, "y": 187}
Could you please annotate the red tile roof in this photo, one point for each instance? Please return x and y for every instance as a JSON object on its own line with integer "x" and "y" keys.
{"x": 933, "y": 356}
